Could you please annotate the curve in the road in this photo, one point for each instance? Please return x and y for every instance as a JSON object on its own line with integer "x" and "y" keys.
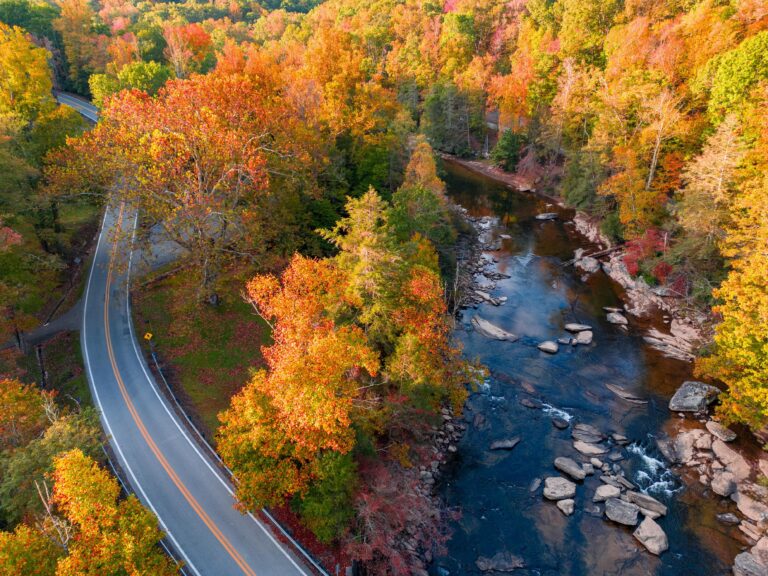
{"x": 193, "y": 503}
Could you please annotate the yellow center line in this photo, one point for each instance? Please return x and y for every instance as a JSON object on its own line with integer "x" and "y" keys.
{"x": 143, "y": 430}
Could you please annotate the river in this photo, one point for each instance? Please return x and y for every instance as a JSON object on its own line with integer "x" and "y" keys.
{"x": 492, "y": 488}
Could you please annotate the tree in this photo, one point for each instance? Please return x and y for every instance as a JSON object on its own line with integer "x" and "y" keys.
{"x": 75, "y": 23}
{"x": 148, "y": 77}
{"x": 508, "y": 150}
{"x": 25, "y": 80}
{"x": 22, "y": 413}
{"x": 421, "y": 171}
{"x": 198, "y": 160}
{"x": 112, "y": 537}
{"x": 188, "y": 49}
{"x": 27, "y": 551}
{"x": 709, "y": 181}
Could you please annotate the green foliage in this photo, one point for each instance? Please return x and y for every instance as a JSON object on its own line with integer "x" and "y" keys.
{"x": 416, "y": 210}
{"x": 22, "y": 468}
{"x": 508, "y": 150}
{"x": 34, "y": 16}
{"x": 446, "y": 119}
{"x": 583, "y": 174}
{"x": 327, "y": 507}
{"x": 148, "y": 77}
{"x": 735, "y": 73}
{"x": 611, "y": 227}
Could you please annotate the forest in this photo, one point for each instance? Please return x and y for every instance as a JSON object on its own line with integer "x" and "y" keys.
{"x": 298, "y": 142}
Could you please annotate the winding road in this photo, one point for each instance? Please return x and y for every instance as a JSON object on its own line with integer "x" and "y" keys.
{"x": 192, "y": 499}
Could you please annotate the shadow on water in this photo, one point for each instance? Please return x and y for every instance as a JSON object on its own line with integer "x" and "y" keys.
{"x": 492, "y": 489}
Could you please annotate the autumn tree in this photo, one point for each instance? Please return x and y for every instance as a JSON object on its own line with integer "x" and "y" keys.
{"x": 112, "y": 536}
{"x": 188, "y": 48}
{"x": 22, "y": 412}
{"x": 199, "y": 161}
{"x": 75, "y": 22}
{"x": 28, "y": 551}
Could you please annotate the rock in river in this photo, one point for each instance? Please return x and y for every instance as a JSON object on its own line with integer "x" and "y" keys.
{"x": 723, "y": 483}
{"x": 549, "y": 346}
{"x": 728, "y": 518}
{"x": 499, "y": 562}
{"x": 725, "y": 434}
{"x": 606, "y": 491}
{"x": 746, "y": 564}
{"x": 646, "y": 502}
{"x": 491, "y": 330}
{"x": 566, "y": 506}
{"x": 506, "y": 444}
{"x": 574, "y": 327}
{"x": 570, "y": 467}
{"x": 587, "y": 433}
{"x": 652, "y": 536}
{"x": 558, "y": 488}
{"x": 584, "y": 338}
{"x": 621, "y": 512}
{"x": 546, "y": 216}
{"x": 617, "y": 318}
{"x": 589, "y": 449}
{"x": 693, "y": 396}
{"x": 559, "y": 423}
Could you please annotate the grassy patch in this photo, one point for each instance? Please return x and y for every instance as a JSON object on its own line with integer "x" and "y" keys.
{"x": 207, "y": 351}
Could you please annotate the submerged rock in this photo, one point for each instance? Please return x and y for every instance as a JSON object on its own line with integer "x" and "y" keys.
{"x": 506, "y": 444}
{"x": 624, "y": 395}
{"x": 717, "y": 429}
{"x": 549, "y": 347}
{"x": 559, "y": 423}
{"x": 570, "y": 467}
{"x": 558, "y": 488}
{"x": 650, "y": 535}
{"x": 693, "y": 396}
{"x": 621, "y": 511}
{"x": 491, "y": 330}
{"x": 499, "y": 562}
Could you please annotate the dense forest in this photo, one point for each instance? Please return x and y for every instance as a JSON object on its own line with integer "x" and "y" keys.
{"x": 300, "y": 137}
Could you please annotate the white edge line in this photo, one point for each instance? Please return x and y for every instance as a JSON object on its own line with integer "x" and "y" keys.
{"x": 112, "y": 438}
{"x": 175, "y": 420}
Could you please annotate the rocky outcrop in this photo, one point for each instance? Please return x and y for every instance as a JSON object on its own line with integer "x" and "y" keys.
{"x": 693, "y": 396}
{"x": 746, "y": 564}
{"x": 723, "y": 433}
{"x": 650, "y": 535}
{"x": 558, "y": 488}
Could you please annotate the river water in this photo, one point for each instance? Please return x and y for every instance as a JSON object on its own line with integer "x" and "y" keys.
{"x": 492, "y": 488}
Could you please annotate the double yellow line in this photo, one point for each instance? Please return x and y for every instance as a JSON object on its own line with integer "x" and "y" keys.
{"x": 145, "y": 434}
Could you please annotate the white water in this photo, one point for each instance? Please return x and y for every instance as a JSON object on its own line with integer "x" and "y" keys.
{"x": 654, "y": 477}
{"x": 553, "y": 411}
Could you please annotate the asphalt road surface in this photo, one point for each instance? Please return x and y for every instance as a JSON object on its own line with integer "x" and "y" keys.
{"x": 170, "y": 474}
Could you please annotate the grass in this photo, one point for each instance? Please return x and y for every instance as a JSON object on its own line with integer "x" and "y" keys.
{"x": 207, "y": 352}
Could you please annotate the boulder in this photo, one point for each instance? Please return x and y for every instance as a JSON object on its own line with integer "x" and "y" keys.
{"x": 650, "y": 535}
{"x": 491, "y": 330}
{"x": 574, "y": 327}
{"x": 617, "y": 318}
{"x": 704, "y": 442}
{"x": 570, "y": 467}
{"x": 760, "y": 550}
{"x": 566, "y": 506}
{"x": 499, "y": 562}
{"x": 723, "y": 483}
{"x": 505, "y": 444}
{"x": 532, "y": 404}
{"x": 606, "y": 491}
{"x": 621, "y": 511}
{"x": 693, "y": 396}
{"x": 733, "y": 461}
{"x": 547, "y": 216}
{"x": 587, "y": 433}
{"x": 549, "y": 347}
{"x": 589, "y": 449}
{"x": 588, "y": 468}
{"x": 717, "y": 429}
{"x": 646, "y": 502}
{"x": 584, "y": 338}
{"x": 558, "y": 488}
{"x": 596, "y": 462}
{"x": 745, "y": 564}
{"x": 746, "y": 498}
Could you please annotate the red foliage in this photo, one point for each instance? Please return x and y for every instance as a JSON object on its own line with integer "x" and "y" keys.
{"x": 651, "y": 243}
{"x": 661, "y": 272}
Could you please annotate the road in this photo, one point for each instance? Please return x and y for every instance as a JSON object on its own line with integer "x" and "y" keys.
{"x": 192, "y": 499}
